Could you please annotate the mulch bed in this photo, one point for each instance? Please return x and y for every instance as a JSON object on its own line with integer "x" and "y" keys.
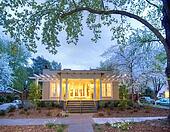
{"x": 28, "y": 129}
{"x": 33, "y": 113}
{"x": 146, "y": 126}
{"x": 140, "y": 112}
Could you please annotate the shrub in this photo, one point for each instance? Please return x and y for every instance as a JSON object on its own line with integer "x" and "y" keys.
{"x": 108, "y": 112}
{"x": 2, "y": 113}
{"x": 11, "y": 114}
{"x": 147, "y": 109}
{"x": 123, "y": 104}
{"x": 111, "y": 105}
{"x": 9, "y": 98}
{"x": 60, "y": 129}
{"x": 48, "y": 113}
{"x": 50, "y": 125}
{"x": 123, "y": 91}
{"x": 107, "y": 124}
{"x": 35, "y": 94}
{"x": 102, "y": 104}
{"x": 100, "y": 114}
{"x": 130, "y": 103}
{"x": 27, "y": 113}
{"x": 22, "y": 112}
{"x": 2, "y": 99}
{"x": 12, "y": 108}
{"x": 25, "y": 109}
{"x": 122, "y": 125}
{"x": 135, "y": 110}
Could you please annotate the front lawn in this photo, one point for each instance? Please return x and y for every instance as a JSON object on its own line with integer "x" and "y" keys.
{"x": 146, "y": 126}
{"x": 38, "y": 128}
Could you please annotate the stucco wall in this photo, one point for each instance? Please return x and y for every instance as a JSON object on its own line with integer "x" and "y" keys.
{"x": 115, "y": 90}
{"x": 46, "y": 91}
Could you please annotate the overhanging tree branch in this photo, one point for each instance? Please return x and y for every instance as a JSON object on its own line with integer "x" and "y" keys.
{"x": 152, "y": 4}
{"x": 119, "y": 12}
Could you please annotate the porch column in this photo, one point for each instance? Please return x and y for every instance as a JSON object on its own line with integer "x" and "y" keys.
{"x": 36, "y": 81}
{"x": 66, "y": 88}
{"x": 100, "y": 89}
{"x": 61, "y": 92}
{"x": 94, "y": 94}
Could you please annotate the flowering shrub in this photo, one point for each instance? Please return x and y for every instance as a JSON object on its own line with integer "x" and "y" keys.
{"x": 122, "y": 125}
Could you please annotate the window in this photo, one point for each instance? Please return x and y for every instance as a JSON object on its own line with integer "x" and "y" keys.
{"x": 106, "y": 89}
{"x": 54, "y": 89}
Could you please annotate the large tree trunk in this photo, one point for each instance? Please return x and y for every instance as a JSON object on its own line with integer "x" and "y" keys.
{"x": 166, "y": 24}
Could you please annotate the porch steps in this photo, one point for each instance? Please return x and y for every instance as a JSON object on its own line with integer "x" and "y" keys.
{"x": 76, "y": 106}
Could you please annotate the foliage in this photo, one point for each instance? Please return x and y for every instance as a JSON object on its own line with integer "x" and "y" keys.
{"x": 148, "y": 92}
{"x": 40, "y": 63}
{"x": 57, "y": 16}
{"x": 58, "y": 128}
{"x": 2, "y": 113}
{"x": 123, "y": 104}
{"x": 34, "y": 93}
{"x": 102, "y": 104}
{"x": 5, "y": 72}
{"x": 141, "y": 62}
{"x": 123, "y": 92}
{"x": 122, "y": 125}
{"x": 18, "y": 60}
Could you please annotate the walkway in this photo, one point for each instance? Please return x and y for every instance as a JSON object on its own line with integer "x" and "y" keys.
{"x": 76, "y": 122}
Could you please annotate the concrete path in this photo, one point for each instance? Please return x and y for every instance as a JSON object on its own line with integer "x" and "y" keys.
{"x": 76, "y": 122}
{"x": 124, "y": 119}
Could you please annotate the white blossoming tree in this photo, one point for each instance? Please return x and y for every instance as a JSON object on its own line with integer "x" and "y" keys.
{"x": 5, "y": 72}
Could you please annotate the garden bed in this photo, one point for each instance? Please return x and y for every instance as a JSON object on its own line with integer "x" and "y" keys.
{"x": 131, "y": 112}
{"x": 151, "y": 126}
{"x": 39, "y": 128}
{"x": 34, "y": 113}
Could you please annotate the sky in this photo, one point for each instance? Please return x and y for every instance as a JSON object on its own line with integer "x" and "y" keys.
{"x": 86, "y": 54}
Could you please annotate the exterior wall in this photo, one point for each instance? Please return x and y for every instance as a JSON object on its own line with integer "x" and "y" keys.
{"x": 115, "y": 90}
{"x": 76, "y": 75}
{"x": 46, "y": 91}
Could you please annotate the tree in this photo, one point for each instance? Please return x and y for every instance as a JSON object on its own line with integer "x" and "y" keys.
{"x": 59, "y": 15}
{"x": 18, "y": 62}
{"x": 40, "y": 63}
{"x": 123, "y": 92}
{"x": 34, "y": 93}
{"x": 55, "y": 65}
{"x": 67, "y": 15}
{"x": 144, "y": 64}
{"x": 6, "y": 72}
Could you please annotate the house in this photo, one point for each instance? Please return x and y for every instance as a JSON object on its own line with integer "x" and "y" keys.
{"x": 10, "y": 91}
{"x": 78, "y": 86}
{"x": 164, "y": 92}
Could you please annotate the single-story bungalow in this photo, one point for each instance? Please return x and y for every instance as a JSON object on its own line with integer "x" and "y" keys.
{"x": 78, "y": 85}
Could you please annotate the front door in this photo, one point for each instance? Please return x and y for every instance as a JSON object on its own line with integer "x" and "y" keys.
{"x": 80, "y": 90}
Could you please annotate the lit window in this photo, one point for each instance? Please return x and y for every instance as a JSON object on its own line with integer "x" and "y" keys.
{"x": 54, "y": 89}
{"x": 109, "y": 86}
{"x": 106, "y": 89}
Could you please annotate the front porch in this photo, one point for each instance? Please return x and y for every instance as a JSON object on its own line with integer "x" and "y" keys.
{"x": 82, "y": 87}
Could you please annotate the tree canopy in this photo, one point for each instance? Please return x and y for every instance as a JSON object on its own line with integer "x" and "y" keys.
{"x": 53, "y": 17}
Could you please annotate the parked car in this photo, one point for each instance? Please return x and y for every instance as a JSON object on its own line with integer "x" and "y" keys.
{"x": 163, "y": 102}
{"x": 18, "y": 103}
{"x": 146, "y": 100}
